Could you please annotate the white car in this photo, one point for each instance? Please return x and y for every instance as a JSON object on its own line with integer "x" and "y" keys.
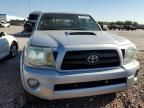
{"x": 4, "y": 24}
{"x": 8, "y": 45}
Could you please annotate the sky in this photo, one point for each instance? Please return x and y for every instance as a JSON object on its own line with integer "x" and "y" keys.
{"x": 101, "y": 10}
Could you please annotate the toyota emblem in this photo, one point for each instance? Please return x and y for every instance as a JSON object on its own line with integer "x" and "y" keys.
{"x": 92, "y": 59}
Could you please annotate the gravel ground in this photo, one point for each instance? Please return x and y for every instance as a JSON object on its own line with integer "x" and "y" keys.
{"x": 12, "y": 95}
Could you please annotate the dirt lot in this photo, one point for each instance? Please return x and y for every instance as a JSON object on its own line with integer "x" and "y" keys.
{"x": 12, "y": 96}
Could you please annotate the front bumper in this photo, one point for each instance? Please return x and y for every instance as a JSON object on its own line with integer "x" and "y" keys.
{"x": 49, "y": 78}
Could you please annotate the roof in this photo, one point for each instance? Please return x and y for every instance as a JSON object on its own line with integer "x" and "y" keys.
{"x": 40, "y": 12}
{"x": 36, "y": 12}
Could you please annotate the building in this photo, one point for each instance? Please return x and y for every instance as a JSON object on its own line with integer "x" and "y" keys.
{"x": 7, "y": 18}
{"x": 3, "y": 17}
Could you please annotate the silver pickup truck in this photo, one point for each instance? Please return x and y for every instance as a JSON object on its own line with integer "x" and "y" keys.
{"x": 68, "y": 55}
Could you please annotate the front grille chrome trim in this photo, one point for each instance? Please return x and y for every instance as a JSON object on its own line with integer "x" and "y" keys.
{"x": 75, "y": 60}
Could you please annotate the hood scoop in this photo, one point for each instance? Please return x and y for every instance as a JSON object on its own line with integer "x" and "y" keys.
{"x": 81, "y": 33}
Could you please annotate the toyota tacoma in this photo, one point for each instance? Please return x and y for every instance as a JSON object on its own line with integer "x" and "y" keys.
{"x": 68, "y": 55}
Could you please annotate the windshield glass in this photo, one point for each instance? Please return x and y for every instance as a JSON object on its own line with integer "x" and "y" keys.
{"x": 67, "y": 22}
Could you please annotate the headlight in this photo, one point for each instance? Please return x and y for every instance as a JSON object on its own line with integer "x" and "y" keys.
{"x": 130, "y": 53}
{"x": 38, "y": 56}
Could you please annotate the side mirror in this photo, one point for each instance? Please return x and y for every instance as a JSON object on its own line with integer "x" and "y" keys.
{"x": 28, "y": 27}
{"x": 2, "y": 34}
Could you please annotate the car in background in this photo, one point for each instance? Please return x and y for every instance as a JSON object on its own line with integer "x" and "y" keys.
{"x": 129, "y": 27}
{"x": 4, "y": 24}
{"x": 104, "y": 27}
{"x": 140, "y": 27}
{"x": 115, "y": 27}
{"x": 29, "y": 25}
{"x": 121, "y": 27}
{"x": 8, "y": 45}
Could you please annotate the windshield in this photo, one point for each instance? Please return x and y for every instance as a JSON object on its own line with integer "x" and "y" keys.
{"x": 67, "y": 22}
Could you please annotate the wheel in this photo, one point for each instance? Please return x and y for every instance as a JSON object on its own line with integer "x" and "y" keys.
{"x": 13, "y": 50}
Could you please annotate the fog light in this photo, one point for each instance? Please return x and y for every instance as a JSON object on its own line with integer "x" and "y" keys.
{"x": 33, "y": 83}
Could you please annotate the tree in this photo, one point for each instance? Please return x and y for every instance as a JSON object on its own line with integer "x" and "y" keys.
{"x": 128, "y": 23}
{"x": 100, "y": 22}
{"x": 135, "y": 24}
{"x": 119, "y": 22}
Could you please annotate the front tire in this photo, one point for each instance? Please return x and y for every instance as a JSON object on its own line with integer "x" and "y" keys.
{"x": 13, "y": 50}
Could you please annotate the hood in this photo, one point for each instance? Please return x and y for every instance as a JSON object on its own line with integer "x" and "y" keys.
{"x": 61, "y": 38}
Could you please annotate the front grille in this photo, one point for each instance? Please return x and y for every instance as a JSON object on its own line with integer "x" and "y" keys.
{"x": 91, "y": 84}
{"x": 78, "y": 59}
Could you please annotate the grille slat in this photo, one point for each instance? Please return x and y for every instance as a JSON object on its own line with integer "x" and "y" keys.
{"x": 78, "y": 59}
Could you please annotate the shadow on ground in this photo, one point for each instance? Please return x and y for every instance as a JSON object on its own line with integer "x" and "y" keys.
{"x": 85, "y": 102}
{"x": 11, "y": 91}
{"x": 21, "y": 34}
